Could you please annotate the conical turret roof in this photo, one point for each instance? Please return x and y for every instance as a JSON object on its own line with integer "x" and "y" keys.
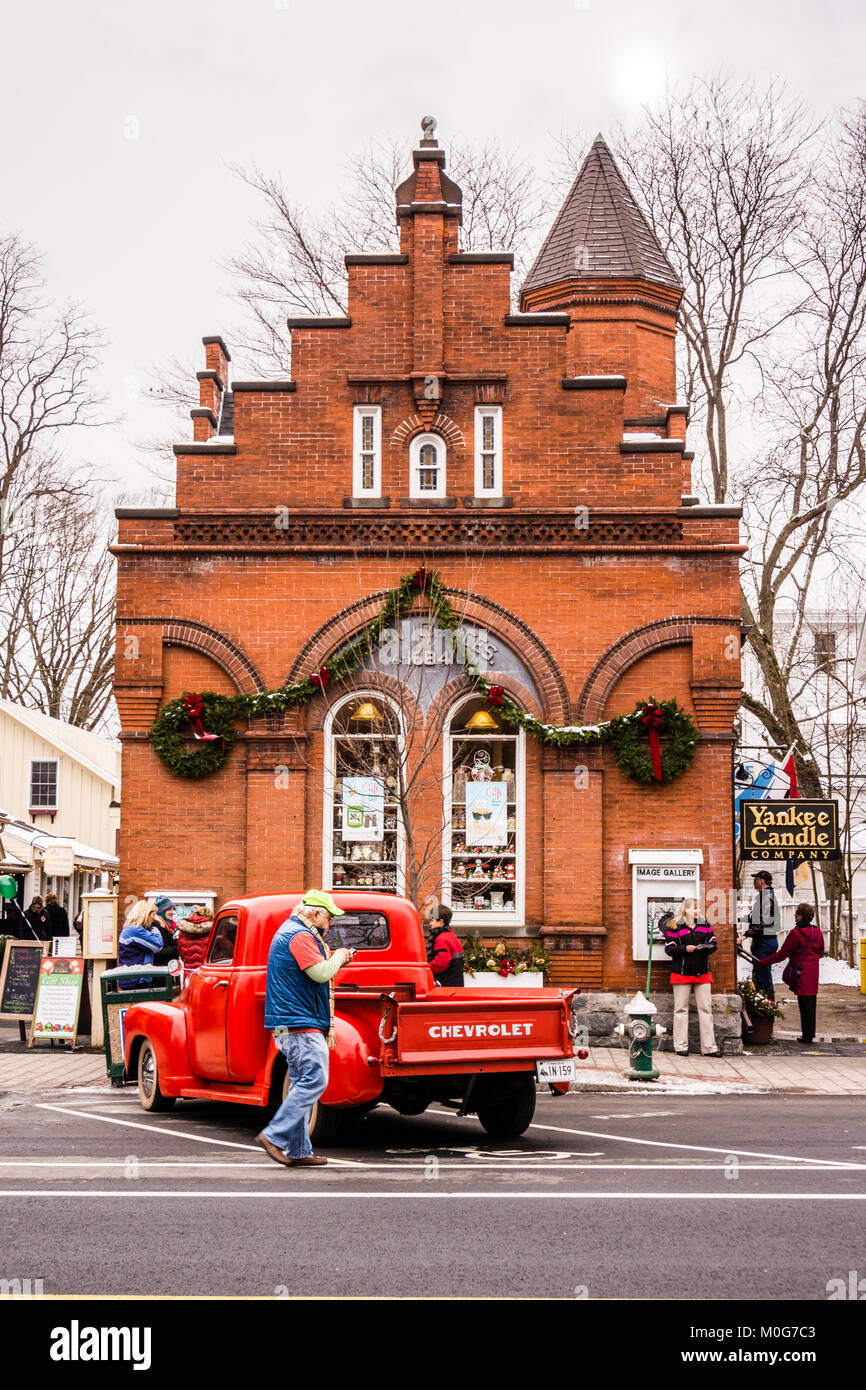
{"x": 600, "y": 232}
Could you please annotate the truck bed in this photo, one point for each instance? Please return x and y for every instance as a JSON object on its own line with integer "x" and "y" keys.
{"x": 465, "y": 1030}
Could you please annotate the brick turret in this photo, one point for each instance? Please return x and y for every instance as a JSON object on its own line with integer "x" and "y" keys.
{"x": 602, "y": 262}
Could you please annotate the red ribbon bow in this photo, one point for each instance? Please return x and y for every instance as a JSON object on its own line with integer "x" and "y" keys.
{"x": 495, "y": 694}
{"x": 321, "y": 677}
{"x": 419, "y": 578}
{"x": 506, "y": 968}
{"x": 651, "y": 718}
{"x": 193, "y": 706}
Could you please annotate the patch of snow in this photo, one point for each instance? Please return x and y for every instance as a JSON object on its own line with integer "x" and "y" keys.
{"x": 832, "y": 971}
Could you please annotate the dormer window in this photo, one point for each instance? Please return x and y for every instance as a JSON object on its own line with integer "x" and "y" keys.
{"x": 488, "y": 451}
{"x": 367, "y": 465}
{"x": 427, "y": 466}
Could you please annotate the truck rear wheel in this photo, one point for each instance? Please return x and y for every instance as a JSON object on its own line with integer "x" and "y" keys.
{"x": 510, "y": 1114}
{"x": 149, "y": 1094}
{"x": 326, "y": 1123}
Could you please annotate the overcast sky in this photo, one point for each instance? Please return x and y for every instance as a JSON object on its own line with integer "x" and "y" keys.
{"x": 120, "y": 120}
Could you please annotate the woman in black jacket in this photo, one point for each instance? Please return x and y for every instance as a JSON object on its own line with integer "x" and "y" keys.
{"x": 689, "y": 941}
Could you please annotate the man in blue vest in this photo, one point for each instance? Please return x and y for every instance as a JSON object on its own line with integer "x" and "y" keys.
{"x": 299, "y": 1007}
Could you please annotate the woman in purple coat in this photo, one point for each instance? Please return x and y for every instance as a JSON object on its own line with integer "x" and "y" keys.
{"x": 803, "y": 948}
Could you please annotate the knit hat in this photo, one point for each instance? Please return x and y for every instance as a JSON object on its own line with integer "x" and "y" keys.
{"x": 164, "y": 905}
{"x": 317, "y": 897}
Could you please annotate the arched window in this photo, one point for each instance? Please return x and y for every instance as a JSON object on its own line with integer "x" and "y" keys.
{"x": 427, "y": 466}
{"x": 483, "y": 868}
{"x": 363, "y": 829}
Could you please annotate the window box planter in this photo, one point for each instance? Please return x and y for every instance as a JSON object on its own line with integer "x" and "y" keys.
{"x": 487, "y": 979}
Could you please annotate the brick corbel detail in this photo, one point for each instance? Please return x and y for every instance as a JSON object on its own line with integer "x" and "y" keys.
{"x": 265, "y": 752}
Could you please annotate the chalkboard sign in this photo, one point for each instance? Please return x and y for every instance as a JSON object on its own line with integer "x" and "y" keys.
{"x": 58, "y": 999}
{"x": 19, "y": 977}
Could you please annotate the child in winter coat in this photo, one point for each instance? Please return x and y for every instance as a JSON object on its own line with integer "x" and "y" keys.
{"x": 192, "y": 938}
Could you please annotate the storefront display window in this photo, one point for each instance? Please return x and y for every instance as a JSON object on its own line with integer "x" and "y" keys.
{"x": 483, "y": 873}
{"x": 364, "y": 841}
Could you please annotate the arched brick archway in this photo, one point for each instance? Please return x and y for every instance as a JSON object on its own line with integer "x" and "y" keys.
{"x": 482, "y": 612}
{"x": 177, "y": 632}
{"x": 640, "y": 642}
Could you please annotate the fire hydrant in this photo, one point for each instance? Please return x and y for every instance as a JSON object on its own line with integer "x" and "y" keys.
{"x": 640, "y": 1030}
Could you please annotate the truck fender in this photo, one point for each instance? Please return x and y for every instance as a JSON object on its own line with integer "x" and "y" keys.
{"x": 351, "y": 1079}
{"x": 164, "y": 1026}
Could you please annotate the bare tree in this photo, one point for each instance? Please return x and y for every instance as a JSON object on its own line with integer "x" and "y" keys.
{"x": 294, "y": 264}
{"x": 59, "y": 653}
{"x": 818, "y": 400}
{"x": 47, "y": 363}
{"x": 724, "y": 171}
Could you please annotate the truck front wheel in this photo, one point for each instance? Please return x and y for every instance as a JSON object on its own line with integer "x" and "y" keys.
{"x": 149, "y": 1094}
{"x": 510, "y": 1113}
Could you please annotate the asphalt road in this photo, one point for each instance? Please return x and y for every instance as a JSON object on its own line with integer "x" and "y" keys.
{"x": 606, "y": 1196}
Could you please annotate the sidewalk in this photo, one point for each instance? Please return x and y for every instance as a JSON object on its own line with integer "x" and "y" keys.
{"x": 809, "y": 1072}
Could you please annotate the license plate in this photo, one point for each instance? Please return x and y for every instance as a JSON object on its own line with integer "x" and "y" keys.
{"x": 556, "y": 1071}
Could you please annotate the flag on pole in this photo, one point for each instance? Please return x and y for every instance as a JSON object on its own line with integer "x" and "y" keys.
{"x": 796, "y": 870}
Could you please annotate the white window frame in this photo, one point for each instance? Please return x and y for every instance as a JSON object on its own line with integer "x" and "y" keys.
{"x": 330, "y": 786}
{"x": 482, "y": 920}
{"x": 46, "y": 809}
{"x": 415, "y": 448}
{"x": 362, "y": 413}
{"x": 495, "y": 412}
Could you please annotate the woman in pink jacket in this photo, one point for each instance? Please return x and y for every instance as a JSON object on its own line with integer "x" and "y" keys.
{"x": 803, "y": 948}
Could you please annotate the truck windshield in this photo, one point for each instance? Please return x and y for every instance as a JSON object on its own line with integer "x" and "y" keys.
{"x": 361, "y": 931}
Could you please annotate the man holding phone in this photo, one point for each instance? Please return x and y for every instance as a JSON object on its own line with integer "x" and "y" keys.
{"x": 299, "y": 1007}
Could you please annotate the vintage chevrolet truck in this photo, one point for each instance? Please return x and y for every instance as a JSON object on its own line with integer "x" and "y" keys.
{"x": 401, "y": 1040}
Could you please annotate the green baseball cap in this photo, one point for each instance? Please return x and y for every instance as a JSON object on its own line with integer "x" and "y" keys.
{"x": 317, "y": 897}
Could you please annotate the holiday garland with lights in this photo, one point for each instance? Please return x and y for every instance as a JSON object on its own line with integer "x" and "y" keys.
{"x": 663, "y": 756}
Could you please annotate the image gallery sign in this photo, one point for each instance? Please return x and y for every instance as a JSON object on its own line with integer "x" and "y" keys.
{"x": 790, "y": 830}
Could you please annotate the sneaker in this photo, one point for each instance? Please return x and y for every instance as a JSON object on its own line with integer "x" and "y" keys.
{"x": 311, "y": 1161}
{"x": 717, "y": 1053}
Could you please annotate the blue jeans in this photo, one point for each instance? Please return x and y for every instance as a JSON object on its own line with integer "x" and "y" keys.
{"x": 307, "y": 1058}
{"x": 763, "y": 974}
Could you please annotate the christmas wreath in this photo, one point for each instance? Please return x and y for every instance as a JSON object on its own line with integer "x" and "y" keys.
{"x": 655, "y": 743}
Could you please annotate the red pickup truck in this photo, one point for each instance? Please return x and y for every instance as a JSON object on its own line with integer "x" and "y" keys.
{"x": 401, "y": 1040}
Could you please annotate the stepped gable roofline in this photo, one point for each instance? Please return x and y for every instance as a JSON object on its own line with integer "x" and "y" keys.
{"x": 600, "y": 233}
{"x": 450, "y": 200}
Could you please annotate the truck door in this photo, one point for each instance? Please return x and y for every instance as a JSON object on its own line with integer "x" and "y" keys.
{"x": 209, "y": 989}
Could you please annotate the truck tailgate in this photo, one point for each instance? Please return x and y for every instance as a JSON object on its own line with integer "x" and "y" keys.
{"x": 465, "y": 1028}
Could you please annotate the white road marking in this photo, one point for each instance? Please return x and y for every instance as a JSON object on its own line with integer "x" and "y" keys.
{"x": 636, "y": 1115}
{"x": 691, "y": 1148}
{"x": 160, "y": 1194}
{"x": 175, "y": 1133}
{"x": 648, "y": 1166}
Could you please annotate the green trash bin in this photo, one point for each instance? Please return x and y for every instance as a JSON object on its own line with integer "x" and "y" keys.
{"x": 115, "y": 1000}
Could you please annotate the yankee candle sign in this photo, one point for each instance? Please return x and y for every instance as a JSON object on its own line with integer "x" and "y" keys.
{"x": 790, "y": 829}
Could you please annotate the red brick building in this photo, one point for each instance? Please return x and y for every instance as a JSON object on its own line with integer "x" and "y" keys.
{"x": 537, "y": 461}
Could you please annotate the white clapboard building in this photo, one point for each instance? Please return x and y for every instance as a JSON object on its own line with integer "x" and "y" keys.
{"x": 59, "y": 790}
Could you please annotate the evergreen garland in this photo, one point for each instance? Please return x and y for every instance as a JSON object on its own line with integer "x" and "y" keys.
{"x": 625, "y": 732}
